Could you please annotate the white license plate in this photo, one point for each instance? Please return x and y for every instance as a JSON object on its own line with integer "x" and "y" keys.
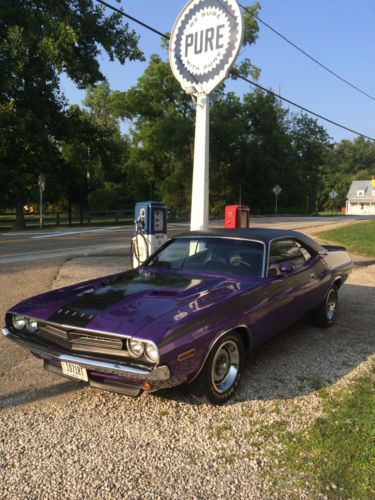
{"x": 74, "y": 371}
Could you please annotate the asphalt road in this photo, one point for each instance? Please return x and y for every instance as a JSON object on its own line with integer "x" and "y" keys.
{"x": 40, "y": 245}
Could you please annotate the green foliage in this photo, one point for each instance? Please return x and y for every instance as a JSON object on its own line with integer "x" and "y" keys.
{"x": 251, "y": 30}
{"x": 94, "y": 153}
{"x": 161, "y": 136}
{"x": 347, "y": 161}
{"x": 40, "y": 39}
{"x": 358, "y": 237}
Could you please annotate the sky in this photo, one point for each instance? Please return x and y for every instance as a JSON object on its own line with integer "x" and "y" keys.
{"x": 339, "y": 33}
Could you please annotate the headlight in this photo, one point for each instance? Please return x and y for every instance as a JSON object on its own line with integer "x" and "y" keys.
{"x": 152, "y": 353}
{"x": 19, "y": 322}
{"x": 31, "y": 325}
{"x": 136, "y": 348}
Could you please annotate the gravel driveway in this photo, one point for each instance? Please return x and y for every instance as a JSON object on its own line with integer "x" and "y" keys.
{"x": 63, "y": 440}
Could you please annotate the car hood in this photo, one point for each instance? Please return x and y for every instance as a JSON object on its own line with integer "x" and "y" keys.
{"x": 128, "y": 303}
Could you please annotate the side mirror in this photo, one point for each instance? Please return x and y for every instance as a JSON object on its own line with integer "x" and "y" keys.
{"x": 286, "y": 268}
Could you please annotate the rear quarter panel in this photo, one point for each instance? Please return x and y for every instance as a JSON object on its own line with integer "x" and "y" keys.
{"x": 339, "y": 263}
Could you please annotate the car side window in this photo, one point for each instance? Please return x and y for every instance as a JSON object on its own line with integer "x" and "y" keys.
{"x": 288, "y": 250}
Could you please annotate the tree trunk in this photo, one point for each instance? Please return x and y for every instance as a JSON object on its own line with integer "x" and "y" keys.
{"x": 20, "y": 219}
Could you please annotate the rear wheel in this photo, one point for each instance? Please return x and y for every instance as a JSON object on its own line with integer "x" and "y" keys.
{"x": 325, "y": 314}
{"x": 222, "y": 372}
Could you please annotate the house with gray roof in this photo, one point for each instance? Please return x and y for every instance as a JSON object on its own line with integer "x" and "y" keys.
{"x": 361, "y": 198}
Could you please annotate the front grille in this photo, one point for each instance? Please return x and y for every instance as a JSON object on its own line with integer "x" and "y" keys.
{"x": 54, "y": 331}
{"x": 95, "y": 340}
{"x": 77, "y": 339}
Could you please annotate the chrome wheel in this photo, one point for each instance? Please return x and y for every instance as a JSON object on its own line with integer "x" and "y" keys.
{"x": 225, "y": 366}
{"x": 331, "y": 304}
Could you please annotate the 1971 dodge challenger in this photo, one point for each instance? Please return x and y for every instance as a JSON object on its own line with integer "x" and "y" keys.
{"x": 188, "y": 315}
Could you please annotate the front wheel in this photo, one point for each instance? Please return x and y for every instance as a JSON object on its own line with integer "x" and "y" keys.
{"x": 325, "y": 314}
{"x": 222, "y": 372}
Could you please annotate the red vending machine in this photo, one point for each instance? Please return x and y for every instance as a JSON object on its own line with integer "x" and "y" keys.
{"x": 237, "y": 216}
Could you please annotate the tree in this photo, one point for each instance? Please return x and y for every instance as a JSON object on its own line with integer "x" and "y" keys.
{"x": 40, "y": 40}
{"x": 93, "y": 154}
{"x": 347, "y": 161}
{"x": 162, "y": 117}
{"x": 311, "y": 145}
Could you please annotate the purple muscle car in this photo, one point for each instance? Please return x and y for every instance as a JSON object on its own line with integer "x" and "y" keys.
{"x": 188, "y": 315}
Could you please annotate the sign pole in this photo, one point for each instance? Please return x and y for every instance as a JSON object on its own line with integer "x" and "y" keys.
{"x": 41, "y": 209}
{"x": 276, "y": 207}
{"x": 42, "y": 187}
{"x": 277, "y": 191}
{"x": 200, "y": 193}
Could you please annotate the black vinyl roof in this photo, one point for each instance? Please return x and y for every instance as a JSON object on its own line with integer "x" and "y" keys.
{"x": 261, "y": 234}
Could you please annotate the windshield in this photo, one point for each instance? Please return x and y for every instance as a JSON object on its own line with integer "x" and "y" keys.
{"x": 217, "y": 255}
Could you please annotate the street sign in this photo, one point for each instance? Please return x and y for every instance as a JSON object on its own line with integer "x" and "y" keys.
{"x": 333, "y": 194}
{"x": 205, "y": 43}
{"x": 42, "y": 182}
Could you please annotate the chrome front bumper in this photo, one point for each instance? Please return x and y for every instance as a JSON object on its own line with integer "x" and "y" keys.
{"x": 158, "y": 373}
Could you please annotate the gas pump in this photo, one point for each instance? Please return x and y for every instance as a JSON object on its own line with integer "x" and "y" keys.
{"x": 150, "y": 219}
{"x": 237, "y": 216}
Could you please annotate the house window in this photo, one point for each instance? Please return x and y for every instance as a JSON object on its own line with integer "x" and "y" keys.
{"x": 360, "y": 193}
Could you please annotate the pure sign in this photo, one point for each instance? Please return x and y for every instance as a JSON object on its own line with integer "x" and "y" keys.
{"x": 205, "y": 43}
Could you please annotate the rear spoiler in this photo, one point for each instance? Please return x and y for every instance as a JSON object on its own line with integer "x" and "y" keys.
{"x": 334, "y": 248}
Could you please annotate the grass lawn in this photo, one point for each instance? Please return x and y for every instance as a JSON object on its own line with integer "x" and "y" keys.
{"x": 337, "y": 455}
{"x": 358, "y": 237}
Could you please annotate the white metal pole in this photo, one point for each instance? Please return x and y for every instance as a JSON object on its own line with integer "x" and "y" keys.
{"x": 199, "y": 201}
{"x": 276, "y": 207}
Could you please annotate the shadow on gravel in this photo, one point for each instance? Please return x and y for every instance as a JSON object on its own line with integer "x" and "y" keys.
{"x": 30, "y": 396}
{"x": 304, "y": 359}
{"x": 364, "y": 263}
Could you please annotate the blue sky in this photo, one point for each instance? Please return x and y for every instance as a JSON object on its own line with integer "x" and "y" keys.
{"x": 339, "y": 33}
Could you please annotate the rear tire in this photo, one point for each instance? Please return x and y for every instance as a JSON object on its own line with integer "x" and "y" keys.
{"x": 325, "y": 314}
{"x": 222, "y": 372}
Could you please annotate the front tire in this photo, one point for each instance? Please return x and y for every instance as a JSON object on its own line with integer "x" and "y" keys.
{"x": 222, "y": 372}
{"x": 325, "y": 314}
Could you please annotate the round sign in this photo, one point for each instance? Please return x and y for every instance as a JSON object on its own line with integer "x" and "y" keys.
{"x": 205, "y": 43}
{"x": 373, "y": 183}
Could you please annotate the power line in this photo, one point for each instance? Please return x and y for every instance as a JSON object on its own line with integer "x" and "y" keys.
{"x": 141, "y": 23}
{"x": 305, "y": 109}
{"x": 163, "y": 35}
{"x": 307, "y": 54}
